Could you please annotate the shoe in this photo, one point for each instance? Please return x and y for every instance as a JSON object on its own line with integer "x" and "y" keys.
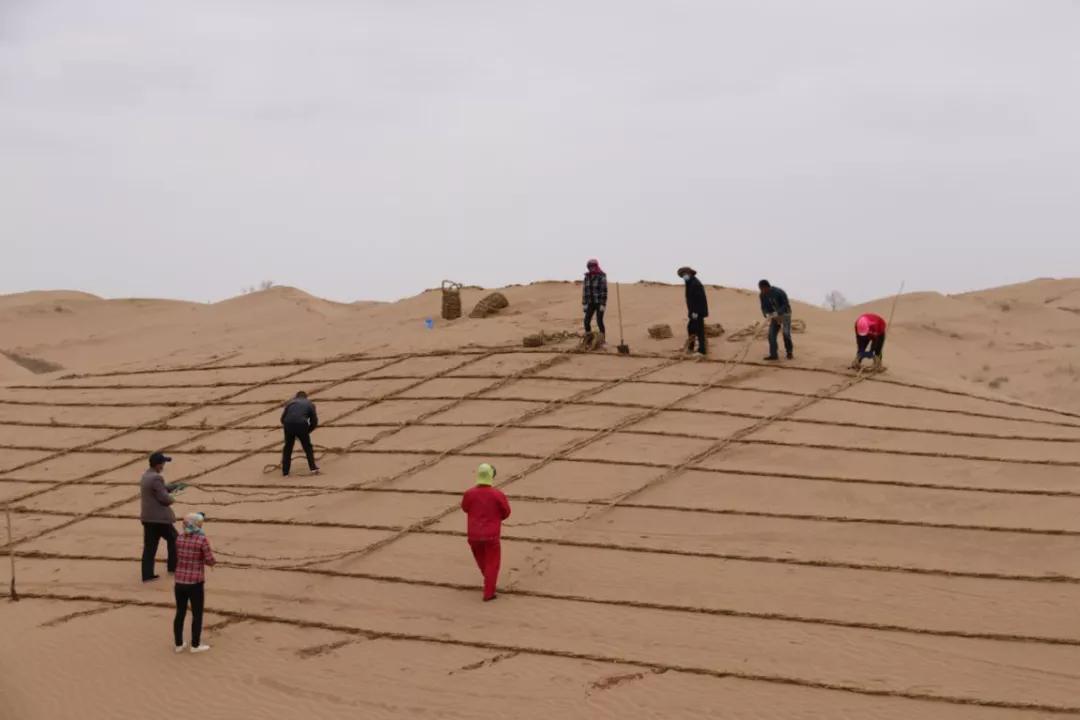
{"x": 314, "y": 471}
{"x": 791, "y": 356}
{"x": 151, "y": 578}
{"x": 199, "y": 649}
{"x": 772, "y": 358}
{"x": 284, "y": 474}
{"x": 489, "y": 599}
{"x": 179, "y": 649}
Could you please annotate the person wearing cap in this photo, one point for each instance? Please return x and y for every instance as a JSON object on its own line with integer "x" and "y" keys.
{"x": 869, "y": 340}
{"x": 194, "y": 554}
{"x": 777, "y": 310}
{"x": 697, "y": 308}
{"x": 486, "y": 507}
{"x": 157, "y": 516}
{"x": 594, "y": 297}
{"x": 299, "y": 420}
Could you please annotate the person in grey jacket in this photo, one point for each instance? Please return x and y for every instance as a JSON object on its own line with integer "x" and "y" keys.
{"x": 299, "y": 420}
{"x": 157, "y": 516}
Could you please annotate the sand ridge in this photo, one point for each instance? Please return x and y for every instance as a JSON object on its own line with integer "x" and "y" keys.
{"x": 790, "y": 536}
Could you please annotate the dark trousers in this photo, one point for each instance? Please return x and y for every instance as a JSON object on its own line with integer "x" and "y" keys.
{"x": 876, "y": 345}
{"x": 591, "y": 309}
{"x": 488, "y": 556}
{"x": 152, "y": 533}
{"x": 783, "y": 322}
{"x": 188, "y": 593}
{"x": 696, "y": 328}
{"x": 292, "y": 434}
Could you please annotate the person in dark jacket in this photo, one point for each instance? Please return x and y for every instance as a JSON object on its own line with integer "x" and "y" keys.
{"x": 594, "y": 297}
{"x": 777, "y": 310}
{"x": 486, "y": 508}
{"x": 157, "y": 516}
{"x": 299, "y": 420}
{"x": 697, "y": 308}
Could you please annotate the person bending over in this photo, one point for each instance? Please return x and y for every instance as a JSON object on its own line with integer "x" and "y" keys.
{"x": 299, "y": 420}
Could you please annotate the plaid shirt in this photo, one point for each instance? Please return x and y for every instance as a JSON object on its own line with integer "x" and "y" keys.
{"x": 192, "y": 556}
{"x": 594, "y": 289}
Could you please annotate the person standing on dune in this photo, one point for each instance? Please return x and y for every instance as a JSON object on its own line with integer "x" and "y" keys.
{"x": 194, "y": 555}
{"x": 594, "y": 298}
{"x": 697, "y": 309}
{"x": 486, "y": 508}
{"x": 776, "y": 308}
{"x": 299, "y": 420}
{"x": 157, "y": 516}
{"x": 869, "y": 340}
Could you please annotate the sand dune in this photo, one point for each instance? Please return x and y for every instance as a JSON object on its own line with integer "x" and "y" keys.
{"x": 1022, "y": 340}
{"x": 689, "y": 539}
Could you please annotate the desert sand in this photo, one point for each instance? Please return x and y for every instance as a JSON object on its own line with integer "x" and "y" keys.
{"x": 690, "y": 539}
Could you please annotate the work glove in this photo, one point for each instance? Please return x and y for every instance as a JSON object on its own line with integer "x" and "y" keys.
{"x": 585, "y": 308}
{"x": 603, "y": 308}
{"x": 693, "y": 316}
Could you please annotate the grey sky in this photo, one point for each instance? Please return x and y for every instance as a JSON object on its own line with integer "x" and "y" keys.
{"x": 366, "y": 150}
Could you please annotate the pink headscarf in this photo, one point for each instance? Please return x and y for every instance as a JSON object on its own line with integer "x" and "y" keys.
{"x": 593, "y": 267}
{"x": 862, "y": 326}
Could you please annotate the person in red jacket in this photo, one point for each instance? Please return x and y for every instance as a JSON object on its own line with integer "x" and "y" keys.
{"x": 869, "y": 333}
{"x": 486, "y": 508}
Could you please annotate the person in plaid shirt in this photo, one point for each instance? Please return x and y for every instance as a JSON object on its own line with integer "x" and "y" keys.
{"x": 594, "y": 297}
{"x": 193, "y": 554}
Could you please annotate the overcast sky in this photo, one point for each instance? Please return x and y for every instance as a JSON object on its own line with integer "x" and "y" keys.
{"x": 364, "y": 149}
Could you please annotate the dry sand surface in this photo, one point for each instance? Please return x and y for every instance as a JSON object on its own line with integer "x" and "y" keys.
{"x": 689, "y": 539}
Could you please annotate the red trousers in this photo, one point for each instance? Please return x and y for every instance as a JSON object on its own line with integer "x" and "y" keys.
{"x": 488, "y": 554}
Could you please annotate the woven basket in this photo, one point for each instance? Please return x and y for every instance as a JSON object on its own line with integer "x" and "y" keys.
{"x": 451, "y": 300}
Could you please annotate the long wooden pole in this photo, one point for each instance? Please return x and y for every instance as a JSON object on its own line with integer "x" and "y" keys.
{"x": 11, "y": 553}
{"x": 892, "y": 312}
{"x": 895, "y": 300}
{"x": 618, "y": 299}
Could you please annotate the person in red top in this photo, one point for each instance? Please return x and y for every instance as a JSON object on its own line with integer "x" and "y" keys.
{"x": 193, "y": 554}
{"x": 486, "y": 508}
{"x": 869, "y": 333}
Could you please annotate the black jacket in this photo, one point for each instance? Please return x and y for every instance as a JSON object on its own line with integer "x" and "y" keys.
{"x": 300, "y": 411}
{"x": 696, "y": 301}
{"x": 774, "y": 300}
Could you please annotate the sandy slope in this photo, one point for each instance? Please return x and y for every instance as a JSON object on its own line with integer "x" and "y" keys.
{"x": 689, "y": 539}
{"x": 1023, "y": 339}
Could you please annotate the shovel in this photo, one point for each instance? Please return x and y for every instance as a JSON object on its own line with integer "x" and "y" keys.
{"x": 623, "y": 348}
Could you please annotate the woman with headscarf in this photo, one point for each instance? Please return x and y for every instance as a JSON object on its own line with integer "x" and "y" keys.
{"x": 869, "y": 340}
{"x": 486, "y": 508}
{"x": 594, "y": 297}
{"x": 192, "y": 556}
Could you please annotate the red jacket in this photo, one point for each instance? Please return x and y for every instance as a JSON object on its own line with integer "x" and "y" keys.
{"x": 486, "y": 507}
{"x": 877, "y": 324}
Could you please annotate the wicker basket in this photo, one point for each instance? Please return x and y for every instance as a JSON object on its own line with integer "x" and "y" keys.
{"x": 451, "y": 300}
